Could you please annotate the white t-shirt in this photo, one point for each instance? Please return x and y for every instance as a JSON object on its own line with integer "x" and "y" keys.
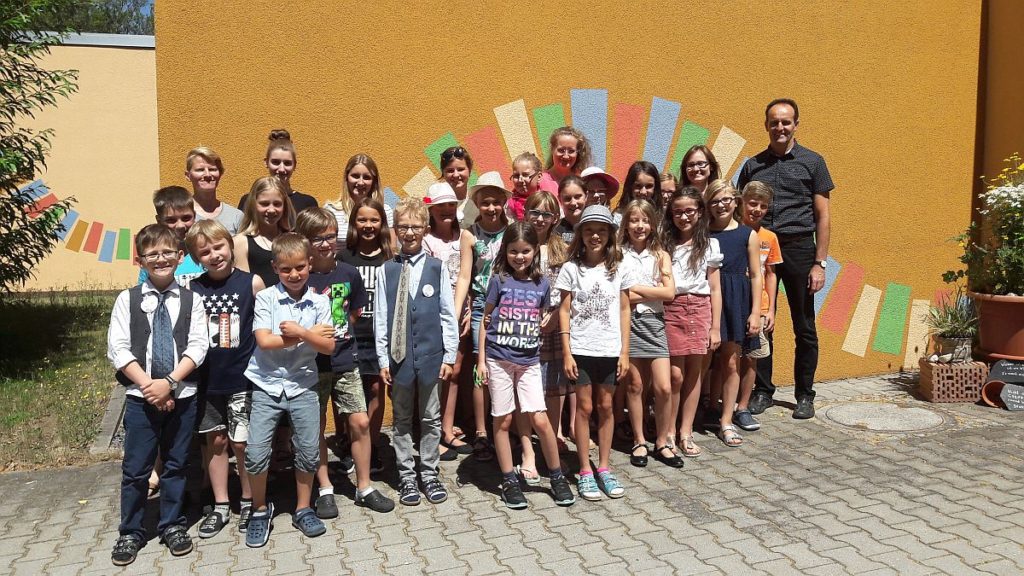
{"x": 688, "y": 281}
{"x": 594, "y": 320}
{"x": 643, "y": 267}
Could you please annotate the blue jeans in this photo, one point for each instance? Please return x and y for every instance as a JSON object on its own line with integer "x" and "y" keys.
{"x": 145, "y": 430}
{"x": 304, "y": 413}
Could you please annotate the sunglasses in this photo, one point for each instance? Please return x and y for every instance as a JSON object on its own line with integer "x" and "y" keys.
{"x": 451, "y": 153}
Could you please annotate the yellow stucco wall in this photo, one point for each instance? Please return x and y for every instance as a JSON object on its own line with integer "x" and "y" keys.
{"x": 887, "y": 95}
{"x": 105, "y": 155}
{"x": 1004, "y": 115}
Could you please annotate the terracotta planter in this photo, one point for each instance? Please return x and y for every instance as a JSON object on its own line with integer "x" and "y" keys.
{"x": 1000, "y": 325}
{"x": 990, "y": 393}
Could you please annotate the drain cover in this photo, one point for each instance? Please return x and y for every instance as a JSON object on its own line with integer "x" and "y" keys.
{"x": 884, "y": 417}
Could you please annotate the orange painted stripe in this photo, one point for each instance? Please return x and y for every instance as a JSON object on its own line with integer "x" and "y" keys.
{"x": 627, "y": 121}
{"x": 74, "y": 241}
{"x": 92, "y": 241}
{"x": 42, "y": 204}
{"x": 842, "y": 299}
{"x": 488, "y": 152}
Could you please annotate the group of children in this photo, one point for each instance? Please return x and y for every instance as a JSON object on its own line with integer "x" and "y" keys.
{"x": 544, "y": 294}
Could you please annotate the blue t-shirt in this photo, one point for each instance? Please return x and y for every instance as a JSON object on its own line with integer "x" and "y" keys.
{"x": 344, "y": 287}
{"x": 229, "y": 312}
{"x": 513, "y": 333}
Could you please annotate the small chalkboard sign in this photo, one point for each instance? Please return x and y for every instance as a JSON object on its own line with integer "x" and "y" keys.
{"x": 1009, "y": 371}
{"x": 1013, "y": 396}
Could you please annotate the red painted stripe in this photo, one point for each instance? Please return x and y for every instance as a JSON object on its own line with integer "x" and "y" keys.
{"x": 42, "y": 204}
{"x": 627, "y": 123}
{"x": 941, "y": 297}
{"x": 92, "y": 241}
{"x": 488, "y": 152}
{"x": 843, "y": 299}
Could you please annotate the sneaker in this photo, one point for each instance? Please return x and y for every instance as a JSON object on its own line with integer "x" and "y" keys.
{"x": 408, "y": 493}
{"x": 561, "y": 491}
{"x": 347, "y": 464}
{"x": 244, "y": 515}
{"x": 745, "y": 421}
{"x": 213, "y": 522}
{"x": 804, "y": 408}
{"x": 587, "y": 486}
{"x": 375, "y": 501}
{"x": 435, "y": 491}
{"x": 760, "y": 402}
{"x": 307, "y": 523}
{"x": 326, "y": 507}
{"x": 177, "y": 540}
{"x": 612, "y": 487}
{"x": 257, "y": 533}
{"x": 126, "y": 549}
{"x": 376, "y": 463}
{"x": 512, "y": 494}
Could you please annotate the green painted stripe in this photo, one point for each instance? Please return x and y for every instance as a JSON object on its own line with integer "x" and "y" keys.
{"x": 124, "y": 244}
{"x": 690, "y": 135}
{"x": 892, "y": 324}
{"x": 547, "y": 119}
{"x": 434, "y": 149}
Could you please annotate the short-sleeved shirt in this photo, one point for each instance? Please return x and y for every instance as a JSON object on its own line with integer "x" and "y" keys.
{"x": 644, "y": 268}
{"x": 447, "y": 251}
{"x": 229, "y": 312}
{"x": 344, "y": 287}
{"x": 689, "y": 281}
{"x": 513, "y": 334}
{"x": 229, "y": 216}
{"x": 595, "y": 327}
{"x": 367, "y": 267}
{"x": 485, "y": 250}
{"x": 771, "y": 255}
{"x": 565, "y": 230}
{"x": 795, "y": 178}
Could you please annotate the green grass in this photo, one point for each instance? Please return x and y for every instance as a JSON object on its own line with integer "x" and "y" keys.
{"x": 54, "y": 376}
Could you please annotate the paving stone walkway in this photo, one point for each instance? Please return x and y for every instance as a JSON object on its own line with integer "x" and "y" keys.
{"x": 813, "y": 497}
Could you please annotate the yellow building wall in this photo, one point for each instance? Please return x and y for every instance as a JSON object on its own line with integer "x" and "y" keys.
{"x": 105, "y": 155}
{"x": 1004, "y": 115}
{"x": 887, "y": 95}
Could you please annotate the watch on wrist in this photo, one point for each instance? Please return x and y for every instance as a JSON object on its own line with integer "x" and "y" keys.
{"x": 172, "y": 382}
{"x": 822, "y": 263}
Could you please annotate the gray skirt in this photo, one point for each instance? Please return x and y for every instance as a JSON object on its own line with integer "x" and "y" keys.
{"x": 647, "y": 336}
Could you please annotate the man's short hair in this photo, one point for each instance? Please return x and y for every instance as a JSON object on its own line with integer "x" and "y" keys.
{"x": 788, "y": 101}
{"x": 174, "y": 197}
{"x": 759, "y": 190}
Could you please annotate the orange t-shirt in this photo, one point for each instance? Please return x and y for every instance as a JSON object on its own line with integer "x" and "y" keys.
{"x": 771, "y": 254}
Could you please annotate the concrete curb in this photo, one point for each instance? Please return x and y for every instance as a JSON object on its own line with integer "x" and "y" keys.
{"x": 110, "y": 423}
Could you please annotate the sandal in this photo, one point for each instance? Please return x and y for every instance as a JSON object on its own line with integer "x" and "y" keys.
{"x": 730, "y": 437}
{"x": 482, "y": 450}
{"x": 461, "y": 448}
{"x": 673, "y": 461}
{"x": 638, "y": 460}
{"x": 689, "y": 447}
{"x": 529, "y": 475}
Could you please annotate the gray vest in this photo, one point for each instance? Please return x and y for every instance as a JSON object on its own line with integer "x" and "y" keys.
{"x": 423, "y": 337}
{"x": 140, "y": 329}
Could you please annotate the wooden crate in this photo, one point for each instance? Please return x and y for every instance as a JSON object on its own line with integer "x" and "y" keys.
{"x": 952, "y": 382}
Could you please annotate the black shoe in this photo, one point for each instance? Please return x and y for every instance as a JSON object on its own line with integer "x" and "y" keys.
{"x": 376, "y": 463}
{"x": 347, "y": 464}
{"x": 213, "y": 522}
{"x": 673, "y": 461}
{"x": 712, "y": 419}
{"x": 244, "y": 515}
{"x": 760, "y": 402}
{"x": 126, "y": 549}
{"x": 561, "y": 491}
{"x": 448, "y": 455}
{"x": 804, "y": 408}
{"x": 375, "y": 501}
{"x": 408, "y": 493}
{"x": 745, "y": 421}
{"x": 326, "y": 507}
{"x": 435, "y": 491}
{"x": 512, "y": 494}
{"x": 177, "y": 540}
{"x": 641, "y": 460}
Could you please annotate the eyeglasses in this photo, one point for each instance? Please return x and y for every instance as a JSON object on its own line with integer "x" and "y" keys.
{"x": 156, "y": 256}
{"x": 524, "y": 177}
{"x": 540, "y": 214}
{"x": 688, "y": 212}
{"x": 323, "y": 239}
{"x": 723, "y": 201}
{"x": 697, "y": 165}
{"x": 403, "y": 228}
{"x": 456, "y": 152}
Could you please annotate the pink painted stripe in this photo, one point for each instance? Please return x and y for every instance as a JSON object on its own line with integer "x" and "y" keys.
{"x": 627, "y": 122}
{"x": 488, "y": 152}
{"x": 92, "y": 242}
{"x": 843, "y": 299}
{"x": 41, "y": 205}
{"x": 941, "y": 297}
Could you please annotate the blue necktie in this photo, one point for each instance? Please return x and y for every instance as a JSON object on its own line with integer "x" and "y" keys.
{"x": 163, "y": 340}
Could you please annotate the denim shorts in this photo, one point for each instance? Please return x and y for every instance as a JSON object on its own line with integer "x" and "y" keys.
{"x": 303, "y": 411}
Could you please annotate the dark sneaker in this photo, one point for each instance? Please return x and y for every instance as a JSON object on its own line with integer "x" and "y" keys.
{"x": 177, "y": 540}
{"x": 376, "y": 462}
{"x": 804, "y": 408}
{"x": 561, "y": 491}
{"x": 126, "y": 549}
{"x": 408, "y": 493}
{"x": 257, "y": 533}
{"x": 347, "y": 465}
{"x": 745, "y": 421}
{"x": 760, "y": 402}
{"x": 244, "y": 515}
{"x": 213, "y": 522}
{"x": 307, "y": 523}
{"x": 375, "y": 501}
{"x": 326, "y": 507}
{"x": 435, "y": 491}
{"x": 512, "y": 494}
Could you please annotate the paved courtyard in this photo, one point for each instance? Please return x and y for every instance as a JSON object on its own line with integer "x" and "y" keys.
{"x": 813, "y": 497}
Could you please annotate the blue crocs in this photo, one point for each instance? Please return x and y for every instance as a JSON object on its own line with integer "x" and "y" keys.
{"x": 257, "y": 534}
{"x": 307, "y": 523}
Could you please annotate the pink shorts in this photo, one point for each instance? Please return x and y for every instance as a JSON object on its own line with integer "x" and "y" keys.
{"x": 687, "y": 323}
{"x": 508, "y": 380}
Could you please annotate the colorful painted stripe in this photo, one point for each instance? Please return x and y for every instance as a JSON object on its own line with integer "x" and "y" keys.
{"x": 434, "y": 149}
{"x": 92, "y": 240}
{"x": 661, "y": 127}
{"x": 40, "y": 206}
{"x": 390, "y": 198}
{"x": 626, "y": 122}
{"x": 547, "y": 119}
{"x": 34, "y": 190}
{"x": 124, "y": 244}
{"x": 590, "y": 116}
{"x": 831, "y": 272}
{"x": 917, "y": 333}
{"x": 418, "y": 184}
{"x": 690, "y": 135}
{"x": 859, "y": 332}
{"x": 488, "y": 152}
{"x": 69, "y": 220}
{"x": 74, "y": 241}
{"x": 107, "y": 251}
{"x": 514, "y": 124}
{"x": 844, "y": 296}
{"x": 727, "y": 148}
{"x": 893, "y": 322}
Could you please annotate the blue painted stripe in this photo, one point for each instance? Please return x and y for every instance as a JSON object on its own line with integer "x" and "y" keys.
{"x": 35, "y": 190}
{"x": 69, "y": 220}
{"x": 736, "y": 174}
{"x": 107, "y": 250}
{"x": 590, "y": 116}
{"x": 831, "y": 273}
{"x": 661, "y": 127}
{"x": 390, "y": 198}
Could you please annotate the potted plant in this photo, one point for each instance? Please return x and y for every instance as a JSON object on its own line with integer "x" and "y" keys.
{"x": 994, "y": 260}
{"x": 953, "y": 323}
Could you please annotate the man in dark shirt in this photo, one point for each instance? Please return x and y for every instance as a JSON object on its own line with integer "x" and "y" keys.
{"x": 799, "y": 215}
